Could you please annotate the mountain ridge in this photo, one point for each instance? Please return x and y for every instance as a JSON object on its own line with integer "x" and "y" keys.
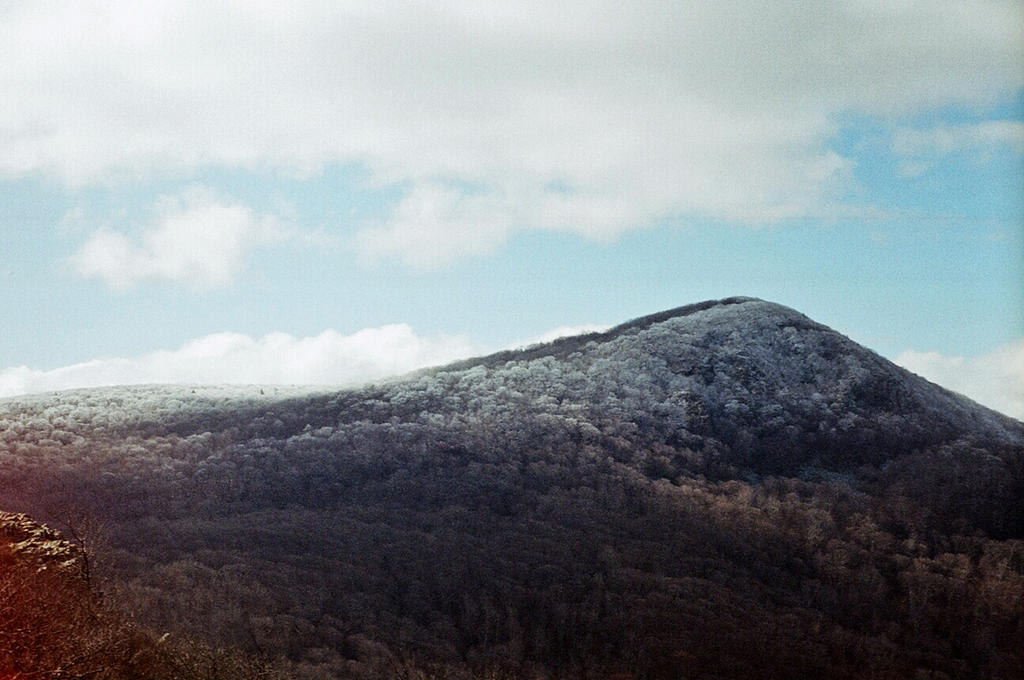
{"x": 749, "y": 337}
{"x": 564, "y": 345}
{"x": 558, "y": 348}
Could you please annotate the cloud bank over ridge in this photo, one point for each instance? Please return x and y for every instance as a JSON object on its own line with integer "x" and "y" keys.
{"x": 328, "y": 358}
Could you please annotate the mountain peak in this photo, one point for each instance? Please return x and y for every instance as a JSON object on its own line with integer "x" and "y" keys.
{"x": 777, "y": 390}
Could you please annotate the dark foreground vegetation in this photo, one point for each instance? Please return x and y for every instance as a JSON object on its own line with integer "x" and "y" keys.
{"x": 55, "y": 626}
{"x": 727, "y": 490}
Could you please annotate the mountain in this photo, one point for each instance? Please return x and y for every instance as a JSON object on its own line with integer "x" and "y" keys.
{"x": 723, "y": 490}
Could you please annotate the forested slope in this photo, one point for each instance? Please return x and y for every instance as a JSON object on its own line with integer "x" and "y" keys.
{"x": 725, "y": 490}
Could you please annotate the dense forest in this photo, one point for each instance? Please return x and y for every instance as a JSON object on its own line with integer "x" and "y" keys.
{"x": 725, "y": 490}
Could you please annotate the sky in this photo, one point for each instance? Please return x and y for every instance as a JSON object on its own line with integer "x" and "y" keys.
{"x": 331, "y": 191}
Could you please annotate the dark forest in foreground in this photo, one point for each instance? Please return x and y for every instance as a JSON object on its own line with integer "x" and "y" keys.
{"x": 725, "y": 490}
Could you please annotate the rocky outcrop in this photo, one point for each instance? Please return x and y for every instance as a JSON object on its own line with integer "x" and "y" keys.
{"x": 28, "y": 541}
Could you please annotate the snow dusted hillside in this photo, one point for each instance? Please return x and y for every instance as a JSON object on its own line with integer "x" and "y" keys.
{"x": 723, "y": 490}
{"x": 775, "y": 388}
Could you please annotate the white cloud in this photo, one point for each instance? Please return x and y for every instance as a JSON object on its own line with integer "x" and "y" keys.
{"x": 195, "y": 238}
{"x": 434, "y": 225}
{"x": 920, "y": 148}
{"x": 995, "y": 379}
{"x": 946, "y": 139}
{"x": 593, "y": 117}
{"x": 277, "y": 358}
